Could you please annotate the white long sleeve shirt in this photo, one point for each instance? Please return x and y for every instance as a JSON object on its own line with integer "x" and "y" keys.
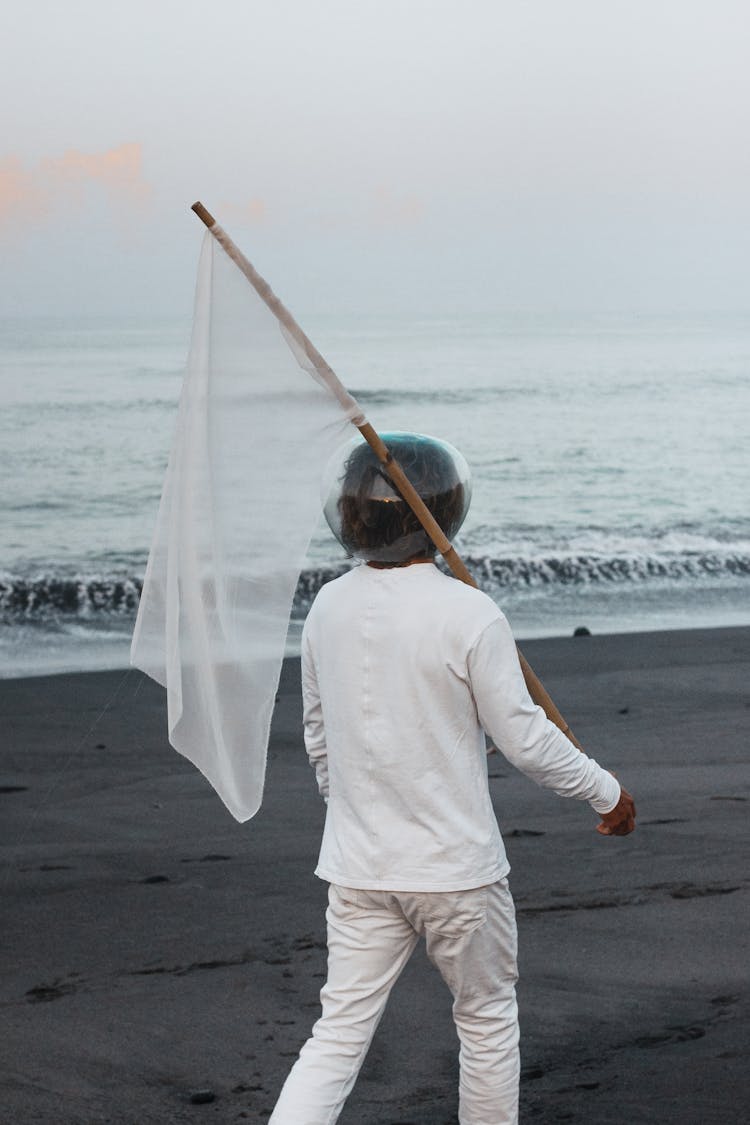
{"x": 403, "y": 670}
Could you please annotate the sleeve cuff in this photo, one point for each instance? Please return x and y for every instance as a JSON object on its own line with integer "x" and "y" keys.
{"x": 610, "y": 795}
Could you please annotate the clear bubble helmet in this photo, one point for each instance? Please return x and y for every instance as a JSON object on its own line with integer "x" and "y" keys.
{"x": 367, "y": 515}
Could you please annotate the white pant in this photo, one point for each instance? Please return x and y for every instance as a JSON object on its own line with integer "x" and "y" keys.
{"x": 471, "y": 938}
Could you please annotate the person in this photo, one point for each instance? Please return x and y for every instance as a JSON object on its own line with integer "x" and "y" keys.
{"x": 404, "y": 669}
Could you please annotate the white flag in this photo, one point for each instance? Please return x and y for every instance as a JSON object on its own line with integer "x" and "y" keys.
{"x": 239, "y": 505}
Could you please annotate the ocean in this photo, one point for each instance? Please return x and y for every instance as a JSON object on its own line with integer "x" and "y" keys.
{"x": 609, "y": 457}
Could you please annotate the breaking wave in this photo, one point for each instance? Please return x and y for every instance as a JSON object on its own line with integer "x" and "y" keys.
{"x": 594, "y": 569}
{"x": 48, "y": 597}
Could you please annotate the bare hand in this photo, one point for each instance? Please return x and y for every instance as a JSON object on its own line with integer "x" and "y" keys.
{"x": 621, "y": 819}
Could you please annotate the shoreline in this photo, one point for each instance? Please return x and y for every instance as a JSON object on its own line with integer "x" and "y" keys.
{"x": 109, "y": 652}
{"x": 154, "y": 948}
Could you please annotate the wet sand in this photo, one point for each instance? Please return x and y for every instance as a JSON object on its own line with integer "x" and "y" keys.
{"x": 153, "y": 950}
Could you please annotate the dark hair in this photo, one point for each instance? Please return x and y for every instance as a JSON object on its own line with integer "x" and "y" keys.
{"x": 376, "y": 522}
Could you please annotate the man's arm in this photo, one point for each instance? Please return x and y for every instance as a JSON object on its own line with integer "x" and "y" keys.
{"x": 312, "y": 716}
{"x": 528, "y": 739}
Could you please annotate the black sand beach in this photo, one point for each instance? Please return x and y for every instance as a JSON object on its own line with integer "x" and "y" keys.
{"x": 153, "y": 950}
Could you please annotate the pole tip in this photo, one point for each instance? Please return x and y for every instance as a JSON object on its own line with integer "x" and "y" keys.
{"x": 204, "y": 215}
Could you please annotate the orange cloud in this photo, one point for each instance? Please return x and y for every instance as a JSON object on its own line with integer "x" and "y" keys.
{"x": 396, "y": 211}
{"x": 31, "y": 194}
{"x": 251, "y": 211}
{"x": 20, "y": 195}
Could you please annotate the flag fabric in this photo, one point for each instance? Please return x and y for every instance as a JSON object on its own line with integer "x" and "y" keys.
{"x": 239, "y": 505}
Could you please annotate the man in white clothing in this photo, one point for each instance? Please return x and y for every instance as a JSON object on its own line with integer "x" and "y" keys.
{"x": 403, "y": 671}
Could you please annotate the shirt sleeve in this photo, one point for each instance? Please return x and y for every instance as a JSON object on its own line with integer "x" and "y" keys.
{"x": 312, "y": 717}
{"x": 522, "y": 731}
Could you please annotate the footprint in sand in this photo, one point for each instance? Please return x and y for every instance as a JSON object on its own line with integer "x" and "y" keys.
{"x": 670, "y": 1035}
{"x": 42, "y": 993}
{"x": 210, "y": 858}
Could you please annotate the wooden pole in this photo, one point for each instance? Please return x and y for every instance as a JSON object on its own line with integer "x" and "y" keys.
{"x": 396, "y": 474}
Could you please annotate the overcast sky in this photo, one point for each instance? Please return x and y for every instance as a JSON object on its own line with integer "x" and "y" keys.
{"x": 368, "y": 155}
